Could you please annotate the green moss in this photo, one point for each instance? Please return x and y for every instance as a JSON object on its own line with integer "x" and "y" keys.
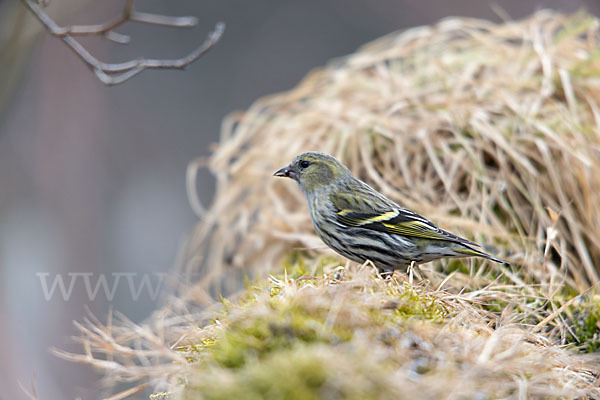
{"x": 284, "y": 325}
{"x": 290, "y": 350}
{"x": 585, "y": 324}
{"x": 301, "y": 372}
{"x": 281, "y": 329}
{"x": 413, "y": 303}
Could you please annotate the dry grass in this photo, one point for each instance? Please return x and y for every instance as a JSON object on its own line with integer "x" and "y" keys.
{"x": 491, "y": 131}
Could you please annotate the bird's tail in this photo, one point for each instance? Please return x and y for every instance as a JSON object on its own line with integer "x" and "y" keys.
{"x": 469, "y": 251}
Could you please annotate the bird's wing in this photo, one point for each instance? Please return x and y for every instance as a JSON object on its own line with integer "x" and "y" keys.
{"x": 392, "y": 220}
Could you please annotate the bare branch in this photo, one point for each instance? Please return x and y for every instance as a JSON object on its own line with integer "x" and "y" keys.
{"x": 115, "y": 73}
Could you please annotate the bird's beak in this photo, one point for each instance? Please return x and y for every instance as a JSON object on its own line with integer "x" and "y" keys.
{"x": 287, "y": 172}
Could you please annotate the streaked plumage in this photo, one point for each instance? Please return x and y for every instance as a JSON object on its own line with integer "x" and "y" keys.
{"x": 359, "y": 223}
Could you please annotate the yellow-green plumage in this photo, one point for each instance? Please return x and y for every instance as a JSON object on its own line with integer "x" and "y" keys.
{"x": 362, "y": 224}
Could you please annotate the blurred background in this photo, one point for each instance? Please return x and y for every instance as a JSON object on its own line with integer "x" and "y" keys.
{"x": 92, "y": 178}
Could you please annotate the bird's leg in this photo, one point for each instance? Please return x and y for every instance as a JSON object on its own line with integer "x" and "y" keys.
{"x": 413, "y": 268}
{"x": 418, "y": 269}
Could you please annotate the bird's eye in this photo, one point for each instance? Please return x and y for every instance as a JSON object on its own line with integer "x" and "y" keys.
{"x": 304, "y": 164}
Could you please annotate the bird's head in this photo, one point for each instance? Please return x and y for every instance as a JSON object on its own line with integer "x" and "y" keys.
{"x": 314, "y": 170}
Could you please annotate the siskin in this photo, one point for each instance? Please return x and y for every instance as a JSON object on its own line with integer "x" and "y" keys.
{"x": 361, "y": 224}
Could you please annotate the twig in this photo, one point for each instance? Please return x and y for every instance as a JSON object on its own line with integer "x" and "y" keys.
{"x": 115, "y": 73}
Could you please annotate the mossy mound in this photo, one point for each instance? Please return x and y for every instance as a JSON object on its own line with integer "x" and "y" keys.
{"x": 353, "y": 335}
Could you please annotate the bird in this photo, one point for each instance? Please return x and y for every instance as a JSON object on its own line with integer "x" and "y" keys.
{"x": 361, "y": 224}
